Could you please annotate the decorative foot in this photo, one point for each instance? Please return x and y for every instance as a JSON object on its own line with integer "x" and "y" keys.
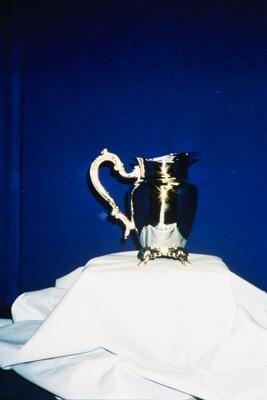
{"x": 178, "y": 253}
{"x": 150, "y": 253}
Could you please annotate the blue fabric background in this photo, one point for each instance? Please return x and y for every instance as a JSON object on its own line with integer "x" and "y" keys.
{"x": 143, "y": 78}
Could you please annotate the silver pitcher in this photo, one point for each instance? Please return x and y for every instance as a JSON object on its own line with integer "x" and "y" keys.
{"x": 162, "y": 202}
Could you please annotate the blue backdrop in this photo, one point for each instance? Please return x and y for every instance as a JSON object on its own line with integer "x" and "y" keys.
{"x": 143, "y": 78}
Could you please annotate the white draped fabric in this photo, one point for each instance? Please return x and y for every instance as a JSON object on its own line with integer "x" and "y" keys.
{"x": 113, "y": 330}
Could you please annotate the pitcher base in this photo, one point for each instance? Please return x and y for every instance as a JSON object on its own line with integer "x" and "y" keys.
{"x": 150, "y": 253}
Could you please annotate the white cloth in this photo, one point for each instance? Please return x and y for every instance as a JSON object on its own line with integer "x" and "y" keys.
{"x": 113, "y": 330}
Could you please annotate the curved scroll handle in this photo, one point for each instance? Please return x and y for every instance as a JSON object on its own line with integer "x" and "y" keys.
{"x": 105, "y": 155}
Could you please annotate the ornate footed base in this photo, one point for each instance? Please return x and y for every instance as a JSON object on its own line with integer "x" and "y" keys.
{"x": 150, "y": 253}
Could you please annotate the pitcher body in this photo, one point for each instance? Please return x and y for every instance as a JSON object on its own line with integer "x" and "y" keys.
{"x": 163, "y": 205}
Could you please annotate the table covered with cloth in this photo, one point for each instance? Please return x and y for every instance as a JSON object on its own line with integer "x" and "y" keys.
{"x": 115, "y": 330}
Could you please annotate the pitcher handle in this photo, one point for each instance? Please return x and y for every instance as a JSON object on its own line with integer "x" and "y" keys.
{"x": 105, "y": 155}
